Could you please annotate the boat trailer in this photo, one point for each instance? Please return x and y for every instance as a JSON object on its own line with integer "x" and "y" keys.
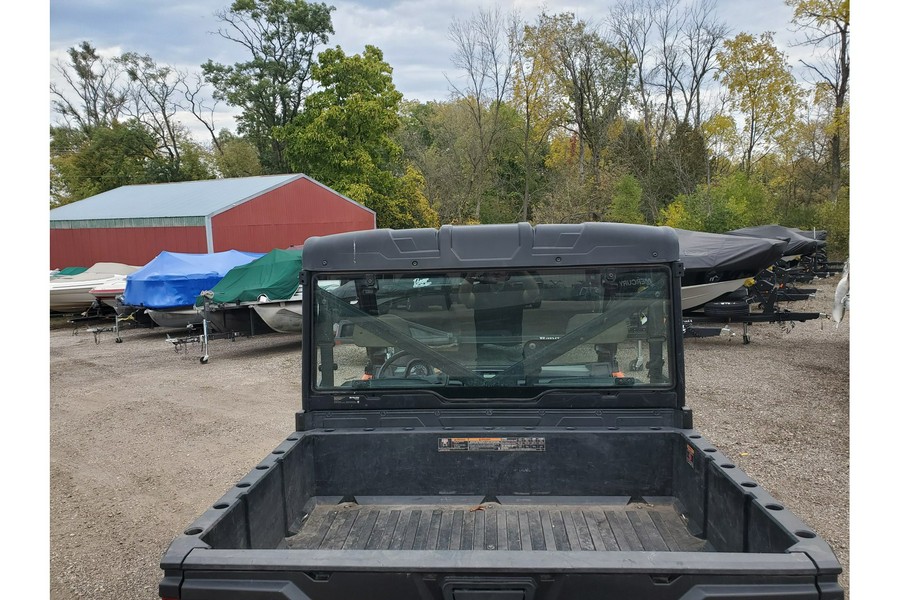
{"x": 691, "y": 322}
{"x": 203, "y": 337}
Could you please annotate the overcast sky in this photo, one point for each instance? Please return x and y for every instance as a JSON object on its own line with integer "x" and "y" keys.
{"x": 411, "y": 33}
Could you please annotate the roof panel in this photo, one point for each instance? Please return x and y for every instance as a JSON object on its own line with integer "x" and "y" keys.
{"x": 182, "y": 199}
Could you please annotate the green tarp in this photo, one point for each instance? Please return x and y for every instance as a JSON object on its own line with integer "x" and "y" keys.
{"x": 275, "y": 275}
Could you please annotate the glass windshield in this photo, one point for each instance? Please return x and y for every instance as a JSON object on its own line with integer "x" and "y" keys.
{"x": 494, "y": 332}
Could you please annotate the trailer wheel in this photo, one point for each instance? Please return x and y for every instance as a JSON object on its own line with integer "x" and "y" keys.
{"x": 204, "y": 360}
{"x": 726, "y": 309}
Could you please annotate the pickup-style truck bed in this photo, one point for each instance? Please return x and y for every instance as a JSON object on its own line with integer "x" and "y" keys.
{"x": 592, "y": 524}
{"x": 464, "y": 438}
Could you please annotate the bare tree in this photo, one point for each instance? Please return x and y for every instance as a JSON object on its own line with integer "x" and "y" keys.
{"x": 93, "y": 93}
{"x": 632, "y": 21}
{"x": 703, "y": 36}
{"x": 199, "y": 105}
{"x": 485, "y": 53}
{"x": 154, "y": 96}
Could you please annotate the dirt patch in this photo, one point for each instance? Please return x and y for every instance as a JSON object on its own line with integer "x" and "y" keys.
{"x": 144, "y": 439}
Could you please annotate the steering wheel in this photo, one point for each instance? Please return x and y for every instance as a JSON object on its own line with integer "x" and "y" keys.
{"x": 415, "y": 367}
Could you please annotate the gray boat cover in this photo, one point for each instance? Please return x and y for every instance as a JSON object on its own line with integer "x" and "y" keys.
{"x": 722, "y": 253}
{"x": 797, "y": 243}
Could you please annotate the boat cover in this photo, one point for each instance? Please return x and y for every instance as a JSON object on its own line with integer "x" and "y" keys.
{"x": 818, "y": 234}
{"x": 175, "y": 279}
{"x": 97, "y": 272}
{"x": 275, "y": 275}
{"x": 797, "y": 243}
{"x": 700, "y": 251}
{"x": 69, "y": 271}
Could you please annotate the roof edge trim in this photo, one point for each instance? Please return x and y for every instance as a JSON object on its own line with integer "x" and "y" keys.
{"x": 127, "y": 223}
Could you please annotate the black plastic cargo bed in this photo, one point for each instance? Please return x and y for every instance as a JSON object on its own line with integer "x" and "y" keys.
{"x": 588, "y": 524}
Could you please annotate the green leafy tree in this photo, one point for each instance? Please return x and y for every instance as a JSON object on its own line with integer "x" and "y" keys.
{"x": 626, "y": 201}
{"x": 236, "y": 156}
{"x": 593, "y": 74}
{"x": 825, "y": 25}
{"x": 760, "y": 87}
{"x": 535, "y": 98}
{"x": 731, "y": 202}
{"x": 281, "y": 37}
{"x": 111, "y": 157}
{"x": 344, "y": 138}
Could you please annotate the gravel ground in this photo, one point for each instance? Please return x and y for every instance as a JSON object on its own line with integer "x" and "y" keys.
{"x": 144, "y": 439}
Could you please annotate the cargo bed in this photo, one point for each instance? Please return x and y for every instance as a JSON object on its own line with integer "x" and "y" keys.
{"x": 589, "y": 524}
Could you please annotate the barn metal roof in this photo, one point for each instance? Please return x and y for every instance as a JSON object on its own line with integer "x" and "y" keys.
{"x": 183, "y": 200}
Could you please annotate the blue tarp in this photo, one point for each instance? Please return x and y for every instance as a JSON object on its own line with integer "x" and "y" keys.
{"x": 175, "y": 279}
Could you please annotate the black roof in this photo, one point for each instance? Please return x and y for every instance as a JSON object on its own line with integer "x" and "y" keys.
{"x": 468, "y": 247}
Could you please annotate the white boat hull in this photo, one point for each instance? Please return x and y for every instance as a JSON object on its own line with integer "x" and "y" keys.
{"x": 283, "y": 316}
{"x": 71, "y": 299}
{"x": 694, "y": 296}
{"x": 176, "y": 317}
{"x": 73, "y": 293}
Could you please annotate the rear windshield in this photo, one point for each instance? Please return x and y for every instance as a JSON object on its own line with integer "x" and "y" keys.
{"x": 493, "y": 333}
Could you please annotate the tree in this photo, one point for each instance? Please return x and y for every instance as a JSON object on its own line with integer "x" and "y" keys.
{"x": 282, "y": 37}
{"x": 153, "y": 98}
{"x": 732, "y": 202}
{"x": 82, "y": 166}
{"x": 826, "y": 27}
{"x": 760, "y": 86}
{"x": 236, "y": 156}
{"x": 703, "y": 35}
{"x": 594, "y": 73}
{"x": 343, "y": 138}
{"x": 535, "y": 98}
{"x": 94, "y": 82}
{"x": 485, "y": 52}
{"x": 626, "y": 201}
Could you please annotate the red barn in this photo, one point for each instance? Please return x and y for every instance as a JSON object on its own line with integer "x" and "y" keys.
{"x": 134, "y": 223}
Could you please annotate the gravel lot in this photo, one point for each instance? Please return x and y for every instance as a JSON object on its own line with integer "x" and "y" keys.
{"x": 144, "y": 439}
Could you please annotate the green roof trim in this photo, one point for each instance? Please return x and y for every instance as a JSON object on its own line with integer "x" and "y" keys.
{"x": 126, "y": 223}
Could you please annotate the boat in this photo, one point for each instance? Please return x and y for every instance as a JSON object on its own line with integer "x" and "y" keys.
{"x": 262, "y": 296}
{"x": 107, "y": 291}
{"x": 168, "y": 285}
{"x": 67, "y": 271}
{"x": 717, "y": 264}
{"x": 283, "y": 316}
{"x": 72, "y": 293}
{"x": 175, "y": 318}
{"x": 798, "y": 244}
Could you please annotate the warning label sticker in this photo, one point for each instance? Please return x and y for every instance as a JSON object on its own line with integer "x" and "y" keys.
{"x": 492, "y": 444}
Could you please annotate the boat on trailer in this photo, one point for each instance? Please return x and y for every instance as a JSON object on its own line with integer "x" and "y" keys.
{"x": 72, "y": 293}
{"x": 283, "y": 316}
{"x": 168, "y": 286}
{"x": 262, "y": 296}
{"x": 716, "y": 264}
